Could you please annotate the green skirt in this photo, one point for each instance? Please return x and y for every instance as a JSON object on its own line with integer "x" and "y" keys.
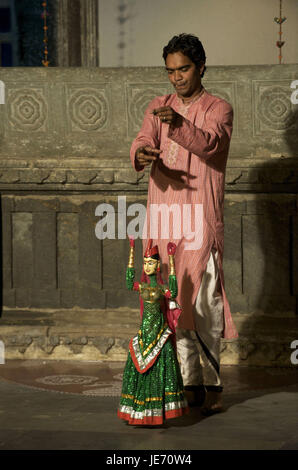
{"x": 152, "y": 388}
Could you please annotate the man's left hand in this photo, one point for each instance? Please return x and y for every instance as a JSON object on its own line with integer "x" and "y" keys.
{"x": 167, "y": 115}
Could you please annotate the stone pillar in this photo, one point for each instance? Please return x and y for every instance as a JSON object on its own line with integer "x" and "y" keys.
{"x": 74, "y": 33}
{"x": 78, "y": 33}
{"x": 62, "y": 33}
{"x": 89, "y": 33}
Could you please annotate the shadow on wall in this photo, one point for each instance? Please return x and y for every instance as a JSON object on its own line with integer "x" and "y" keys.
{"x": 2, "y": 101}
{"x": 270, "y": 253}
{"x": 1, "y": 260}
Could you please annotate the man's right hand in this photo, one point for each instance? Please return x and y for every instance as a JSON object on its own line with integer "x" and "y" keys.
{"x": 146, "y": 155}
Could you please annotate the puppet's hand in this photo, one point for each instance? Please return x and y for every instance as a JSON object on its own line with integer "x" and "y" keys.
{"x": 171, "y": 248}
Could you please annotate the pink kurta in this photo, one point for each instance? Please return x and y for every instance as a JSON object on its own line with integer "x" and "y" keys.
{"x": 190, "y": 171}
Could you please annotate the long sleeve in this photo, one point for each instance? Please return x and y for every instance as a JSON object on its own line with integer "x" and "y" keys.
{"x": 148, "y": 134}
{"x": 212, "y": 138}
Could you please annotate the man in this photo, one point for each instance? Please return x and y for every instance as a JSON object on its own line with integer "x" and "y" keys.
{"x": 185, "y": 136}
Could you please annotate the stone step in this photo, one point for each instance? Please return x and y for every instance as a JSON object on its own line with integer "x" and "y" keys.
{"x": 103, "y": 335}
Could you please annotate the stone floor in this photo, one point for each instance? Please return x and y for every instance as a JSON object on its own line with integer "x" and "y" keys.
{"x": 72, "y": 405}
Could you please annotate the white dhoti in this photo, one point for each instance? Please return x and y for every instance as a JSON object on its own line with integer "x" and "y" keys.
{"x": 199, "y": 350}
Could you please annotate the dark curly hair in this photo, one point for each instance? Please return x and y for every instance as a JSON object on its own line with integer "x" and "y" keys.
{"x": 189, "y": 45}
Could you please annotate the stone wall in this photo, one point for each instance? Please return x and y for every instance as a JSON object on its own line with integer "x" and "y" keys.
{"x": 65, "y": 135}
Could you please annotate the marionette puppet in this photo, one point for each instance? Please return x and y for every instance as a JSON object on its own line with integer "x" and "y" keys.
{"x": 152, "y": 388}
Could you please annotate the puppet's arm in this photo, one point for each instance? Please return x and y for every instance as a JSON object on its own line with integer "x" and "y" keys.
{"x": 130, "y": 271}
{"x": 172, "y": 291}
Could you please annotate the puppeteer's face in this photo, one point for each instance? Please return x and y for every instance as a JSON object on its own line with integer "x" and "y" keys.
{"x": 150, "y": 266}
{"x": 183, "y": 74}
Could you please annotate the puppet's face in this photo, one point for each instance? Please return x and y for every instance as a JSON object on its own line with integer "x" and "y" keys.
{"x": 150, "y": 266}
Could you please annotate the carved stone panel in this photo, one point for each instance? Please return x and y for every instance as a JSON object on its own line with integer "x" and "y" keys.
{"x": 27, "y": 109}
{"x": 87, "y": 107}
{"x": 273, "y": 111}
{"x": 139, "y": 96}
